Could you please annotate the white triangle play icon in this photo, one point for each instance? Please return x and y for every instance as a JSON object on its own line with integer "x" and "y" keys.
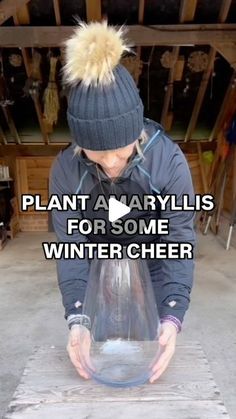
{"x": 117, "y": 210}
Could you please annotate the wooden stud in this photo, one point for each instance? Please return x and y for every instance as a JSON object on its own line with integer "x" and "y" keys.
{"x": 8, "y": 116}
{"x": 179, "y": 68}
{"x": 11, "y": 124}
{"x": 140, "y": 21}
{"x": 57, "y": 12}
{"x": 224, "y": 11}
{"x": 200, "y": 95}
{"x": 22, "y": 180}
{"x": 229, "y": 99}
{"x": 27, "y": 61}
{"x": 2, "y": 136}
{"x": 187, "y": 12}
{"x": 228, "y": 51}
{"x": 169, "y": 91}
{"x": 169, "y": 121}
{"x": 31, "y": 149}
{"x": 9, "y": 7}
{"x": 206, "y": 76}
{"x": 93, "y": 10}
{"x": 141, "y": 11}
{"x": 176, "y": 35}
{"x": 202, "y": 168}
{"x": 24, "y": 14}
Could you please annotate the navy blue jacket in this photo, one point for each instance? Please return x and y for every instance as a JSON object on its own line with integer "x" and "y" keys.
{"x": 163, "y": 170}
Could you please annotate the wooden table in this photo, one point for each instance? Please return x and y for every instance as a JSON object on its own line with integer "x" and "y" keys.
{"x": 51, "y": 388}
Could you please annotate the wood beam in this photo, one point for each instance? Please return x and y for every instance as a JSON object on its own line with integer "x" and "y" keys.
{"x": 224, "y": 11}
{"x": 228, "y": 102}
{"x": 187, "y": 13}
{"x": 187, "y": 10}
{"x": 31, "y": 149}
{"x": 9, "y": 8}
{"x": 39, "y": 149}
{"x": 186, "y": 34}
{"x": 170, "y": 86}
{"x": 93, "y": 10}
{"x": 24, "y": 15}
{"x": 202, "y": 168}
{"x": 141, "y": 8}
{"x": 201, "y": 94}
{"x": 57, "y": 12}
{"x": 2, "y": 136}
{"x": 11, "y": 124}
{"x": 228, "y": 51}
{"x": 206, "y": 76}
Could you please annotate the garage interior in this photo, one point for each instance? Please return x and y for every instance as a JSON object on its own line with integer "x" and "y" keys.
{"x": 185, "y": 68}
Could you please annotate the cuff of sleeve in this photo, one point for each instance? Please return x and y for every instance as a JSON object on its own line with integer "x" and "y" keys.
{"x": 73, "y": 309}
{"x": 171, "y": 319}
{"x": 79, "y": 319}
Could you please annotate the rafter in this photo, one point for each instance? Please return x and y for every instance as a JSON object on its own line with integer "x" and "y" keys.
{"x": 93, "y": 10}
{"x": 202, "y": 168}
{"x": 206, "y": 75}
{"x": 224, "y": 11}
{"x": 187, "y": 10}
{"x": 141, "y": 8}
{"x": 187, "y": 13}
{"x": 31, "y": 149}
{"x": 54, "y": 36}
{"x": 201, "y": 94}
{"x": 2, "y": 136}
{"x": 228, "y": 51}
{"x": 24, "y": 15}
{"x": 56, "y": 6}
{"x": 9, "y": 7}
{"x": 11, "y": 124}
{"x": 169, "y": 91}
{"x": 228, "y": 102}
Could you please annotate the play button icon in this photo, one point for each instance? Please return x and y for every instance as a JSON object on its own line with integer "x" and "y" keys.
{"x": 116, "y": 209}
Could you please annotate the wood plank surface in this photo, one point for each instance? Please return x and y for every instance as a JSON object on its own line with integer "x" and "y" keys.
{"x": 51, "y": 386}
{"x": 133, "y": 410}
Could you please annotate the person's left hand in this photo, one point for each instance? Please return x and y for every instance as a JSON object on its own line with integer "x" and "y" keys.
{"x": 167, "y": 342}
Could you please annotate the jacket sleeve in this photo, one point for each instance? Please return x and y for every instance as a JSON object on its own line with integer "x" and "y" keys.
{"x": 173, "y": 278}
{"x": 72, "y": 273}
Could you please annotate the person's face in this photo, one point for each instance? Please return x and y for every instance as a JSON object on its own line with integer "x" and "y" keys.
{"x": 112, "y": 161}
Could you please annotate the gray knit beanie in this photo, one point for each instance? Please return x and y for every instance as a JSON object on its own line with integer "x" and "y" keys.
{"x": 105, "y": 111}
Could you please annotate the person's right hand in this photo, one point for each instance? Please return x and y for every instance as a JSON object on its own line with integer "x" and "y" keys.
{"x": 78, "y": 348}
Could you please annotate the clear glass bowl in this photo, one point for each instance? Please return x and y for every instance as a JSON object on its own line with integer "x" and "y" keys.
{"x": 124, "y": 322}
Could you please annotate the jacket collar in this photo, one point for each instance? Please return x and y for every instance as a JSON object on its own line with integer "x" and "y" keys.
{"x": 153, "y": 130}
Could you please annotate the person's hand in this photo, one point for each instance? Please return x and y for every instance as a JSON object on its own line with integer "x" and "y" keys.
{"x": 167, "y": 342}
{"x": 78, "y": 348}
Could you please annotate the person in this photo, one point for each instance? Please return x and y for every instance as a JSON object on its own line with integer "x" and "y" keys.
{"x": 113, "y": 139}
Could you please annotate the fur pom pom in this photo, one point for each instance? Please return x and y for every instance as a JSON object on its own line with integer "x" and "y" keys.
{"x": 92, "y": 53}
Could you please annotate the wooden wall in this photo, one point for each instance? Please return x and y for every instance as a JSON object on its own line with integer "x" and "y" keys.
{"x": 32, "y": 177}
